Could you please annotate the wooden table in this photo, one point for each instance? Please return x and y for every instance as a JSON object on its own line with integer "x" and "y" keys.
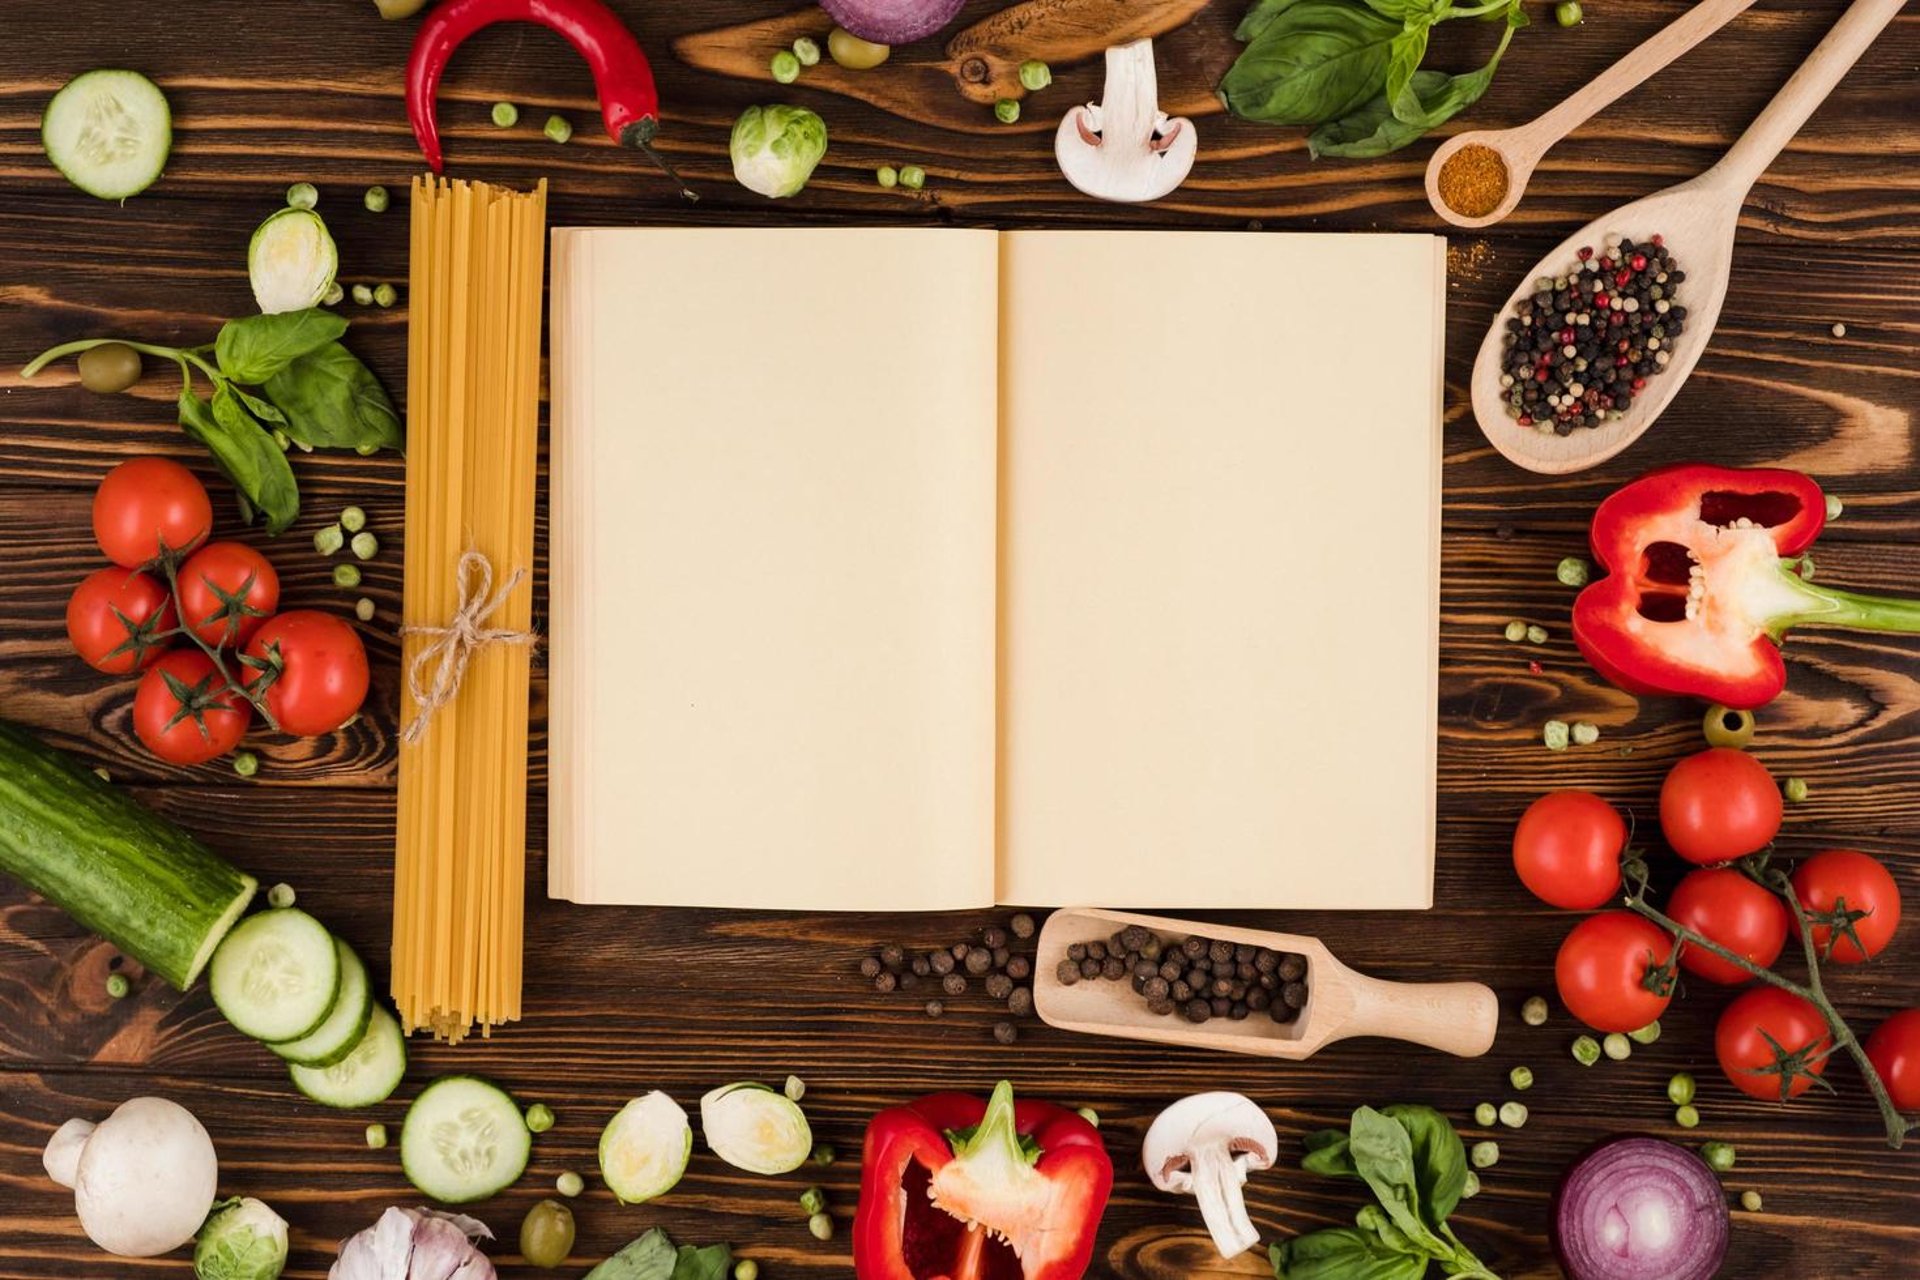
{"x": 621, "y": 1001}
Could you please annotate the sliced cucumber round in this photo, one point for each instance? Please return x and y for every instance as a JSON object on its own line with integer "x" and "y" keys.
{"x": 276, "y": 974}
{"x": 109, "y": 132}
{"x": 340, "y": 1034}
{"x": 463, "y": 1140}
{"x": 365, "y": 1076}
{"x": 644, "y": 1149}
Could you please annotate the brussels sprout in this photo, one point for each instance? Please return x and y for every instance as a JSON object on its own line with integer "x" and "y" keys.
{"x": 775, "y": 148}
{"x": 753, "y": 1128}
{"x": 291, "y": 261}
{"x": 242, "y": 1240}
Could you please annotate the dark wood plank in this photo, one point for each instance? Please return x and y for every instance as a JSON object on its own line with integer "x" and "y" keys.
{"x": 620, "y": 1001}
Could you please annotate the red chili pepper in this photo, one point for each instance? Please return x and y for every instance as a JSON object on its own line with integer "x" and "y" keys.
{"x": 629, "y": 103}
{"x": 954, "y": 1187}
{"x": 1701, "y": 586}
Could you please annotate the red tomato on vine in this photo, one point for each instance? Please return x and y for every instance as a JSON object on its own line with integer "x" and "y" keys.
{"x": 118, "y": 620}
{"x": 185, "y": 711}
{"x": 1615, "y": 971}
{"x": 1772, "y": 1044}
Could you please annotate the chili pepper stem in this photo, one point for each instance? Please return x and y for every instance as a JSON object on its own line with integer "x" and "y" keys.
{"x": 1813, "y": 992}
{"x": 640, "y": 137}
{"x": 1831, "y": 607}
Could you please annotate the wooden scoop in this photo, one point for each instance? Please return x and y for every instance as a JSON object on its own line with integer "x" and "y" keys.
{"x": 1458, "y": 1017}
{"x": 1520, "y": 148}
{"x": 1698, "y": 219}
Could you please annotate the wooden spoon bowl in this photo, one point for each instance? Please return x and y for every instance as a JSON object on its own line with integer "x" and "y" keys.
{"x": 1458, "y": 1017}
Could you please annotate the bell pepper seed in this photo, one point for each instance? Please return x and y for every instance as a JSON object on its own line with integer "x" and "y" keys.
{"x": 820, "y": 1226}
{"x": 353, "y": 519}
{"x": 1485, "y": 1155}
{"x": 1567, "y": 13}
{"x": 913, "y": 177}
{"x": 540, "y": 1118}
{"x": 1513, "y": 1115}
{"x": 1521, "y": 1078}
{"x": 363, "y": 609}
{"x": 1516, "y": 631}
{"x": 886, "y": 175}
{"x": 385, "y": 295}
{"x": 823, "y": 1154}
{"x": 1750, "y": 1201}
{"x": 1795, "y": 790}
{"x": 813, "y": 1200}
{"x": 746, "y": 1269}
{"x": 1536, "y": 634}
{"x": 1718, "y": 1155}
{"x": 1617, "y": 1047}
{"x": 1471, "y": 1187}
{"x": 569, "y": 1184}
{"x": 1585, "y": 733}
{"x": 1007, "y": 110}
{"x": 335, "y": 294}
{"x": 363, "y": 295}
{"x": 1834, "y": 505}
{"x": 376, "y": 1136}
{"x": 1647, "y": 1034}
{"x": 795, "y": 1088}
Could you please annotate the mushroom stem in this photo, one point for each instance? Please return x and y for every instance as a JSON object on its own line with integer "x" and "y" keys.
{"x": 1217, "y": 1182}
{"x": 62, "y": 1156}
{"x": 1130, "y": 107}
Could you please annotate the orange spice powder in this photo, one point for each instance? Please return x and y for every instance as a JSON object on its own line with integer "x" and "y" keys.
{"x": 1473, "y": 181}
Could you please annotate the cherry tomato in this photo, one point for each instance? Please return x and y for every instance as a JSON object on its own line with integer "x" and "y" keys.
{"x": 1604, "y": 968}
{"x": 226, "y": 591}
{"x": 147, "y": 506}
{"x": 1718, "y": 805}
{"x": 185, "y": 713}
{"x": 117, "y": 620}
{"x": 1894, "y": 1051}
{"x": 1842, "y": 879}
{"x": 1740, "y": 1042}
{"x": 313, "y": 668}
{"x": 1567, "y": 849}
{"x": 1723, "y": 906}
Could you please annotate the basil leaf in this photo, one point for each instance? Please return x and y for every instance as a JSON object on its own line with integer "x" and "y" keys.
{"x": 1316, "y": 61}
{"x": 1328, "y": 1155}
{"x": 1344, "y": 1253}
{"x": 1439, "y": 1159}
{"x": 651, "y": 1257}
{"x": 1261, "y": 13}
{"x": 1374, "y": 129}
{"x": 332, "y": 401}
{"x": 1409, "y": 47}
{"x": 710, "y": 1263}
{"x": 261, "y": 409}
{"x": 254, "y": 348}
{"x": 1383, "y": 1152}
{"x": 245, "y": 453}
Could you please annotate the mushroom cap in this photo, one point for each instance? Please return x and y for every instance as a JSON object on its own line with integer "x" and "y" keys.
{"x": 146, "y": 1179}
{"x": 61, "y": 1159}
{"x": 1124, "y": 147}
{"x": 1231, "y": 1122}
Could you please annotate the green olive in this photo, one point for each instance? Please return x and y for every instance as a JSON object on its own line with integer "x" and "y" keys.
{"x": 546, "y": 1234}
{"x": 1726, "y": 727}
{"x": 108, "y": 368}
{"x": 853, "y": 53}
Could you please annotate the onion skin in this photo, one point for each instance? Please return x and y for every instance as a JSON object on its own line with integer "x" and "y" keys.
{"x": 1586, "y": 1206}
{"x": 892, "y": 22}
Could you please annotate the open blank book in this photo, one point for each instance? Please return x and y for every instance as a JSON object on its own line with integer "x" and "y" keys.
{"x": 925, "y": 569}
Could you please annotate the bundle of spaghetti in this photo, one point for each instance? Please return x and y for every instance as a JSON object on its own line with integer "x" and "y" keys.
{"x": 473, "y": 393}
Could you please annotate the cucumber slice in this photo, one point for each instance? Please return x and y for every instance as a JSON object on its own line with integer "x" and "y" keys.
{"x": 276, "y": 974}
{"x": 341, "y": 1033}
{"x": 463, "y": 1140}
{"x": 644, "y": 1149}
{"x": 365, "y": 1076}
{"x": 109, "y": 132}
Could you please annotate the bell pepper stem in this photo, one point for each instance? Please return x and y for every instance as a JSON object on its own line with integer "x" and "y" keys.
{"x": 1831, "y": 607}
{"x": 996, "y": 1139}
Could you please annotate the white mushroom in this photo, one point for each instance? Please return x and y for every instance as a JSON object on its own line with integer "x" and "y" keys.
{"x": 1124, "y": 147}
{"x": 143, "y": 1179}
{"x": 1204, "y": 1146}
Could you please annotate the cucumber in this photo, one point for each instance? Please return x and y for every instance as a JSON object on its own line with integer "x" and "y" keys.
{"x": 464, "y": 1139}
{"x": 109, "y": 132}
{"x": 346, "y": 1022}
{"x": 121, "y": 871}
{"x": 369, "y": 1073}
{"x": 276, "y": 975}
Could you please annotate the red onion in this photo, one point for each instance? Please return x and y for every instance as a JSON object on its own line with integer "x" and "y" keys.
{"x": 892, "y": 22}
{"x": 1640, "y": 1209}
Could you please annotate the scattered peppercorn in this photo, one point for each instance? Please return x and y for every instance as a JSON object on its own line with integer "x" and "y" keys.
{"x": 1005, "y": 1032}
{"x": 1023, "y": 925}
{"x": 869, "y": 967}
{"x": 999, "y": 986}
{"x": 1581, "y": 346}
{"x": 1020, "y": 1001}
{"x": 885, "y": 982}
{"x": 893, "y": 956}
{"x": 935, "y": 1008}
{"x": 1473, "y": 181}
{"x": 954, "y": 984}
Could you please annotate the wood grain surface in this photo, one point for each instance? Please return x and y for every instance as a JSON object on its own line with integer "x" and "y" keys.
{"x": 624, "y": 1000}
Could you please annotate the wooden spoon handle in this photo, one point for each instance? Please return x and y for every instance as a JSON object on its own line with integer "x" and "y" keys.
{"x": 1674, "y": 39}
{"x": 1454, "y": 1017}
{"x": 1802, "y": 95}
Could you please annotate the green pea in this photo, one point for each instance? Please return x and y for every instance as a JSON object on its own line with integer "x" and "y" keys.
{"x": 569, "y": 1184}
{"x": 363, "y": 609}
{"x": 366, "y": 450}
{"x": 1795, "y": 790}
{"x": 281, "y": 896}
{"x": 353, "y": 519}
{"x": 282, "y": 440}
{"x": 376, "y": 199}
{"x": 365, "y": 545}
{"x": 109, "y": 368}
{"x": 795, "y": 1088}
{"x": 1007, "y": 110}
{"x": 813, "y": 1200}
{"x": 1725, "y": 727}
{"x": 886, "y": 175}
{"x": 1516, "y": 631}
{"x": 376, "y": 1136}
{"x": 245, "y": 763}
{"x": 823, "y": 1154}
{"x": 1750, "y": 1201}
{"x": 1617, "y": 1047}
{"x": 505, "y": 115}
{"x": 1718, "y": 1155}
{"x": 385, "y": 295}
{"x": 1567, "y": 13}
{"x": 1471, "y": 1187}
{"x": 1485, "y": 1115}
{"x": 334, "y": 295}
{"x": 546, "y": 1234}
{"x": 746, "y": 1269}
{"x": 1521, "y": 1078}
{"x": 539, "y": 1118}
{"x": 363, "y": 295}
{"x": 558, "y": 129}
{"x": 1680, "y": 1089}
{"x": 913, "y": 177}
{"x": 1834, "y": 507}
{"x": 1647, "y": 1034}
{"x": 1035, "y": 75}
{"x": 1555, "y": 734}
{"x": 346, "y": 575}
{"x": 1686, "y": 1115}
{"x": 118, "y": 986}
{"x": 1484, "y": 1155}
{"x": 1572, "y": 572}
{"x": 303, "y": 195}
{"x": 1088, "y": 1114}
{"x": 1534, "y": 1011}
{"x": 1513, "y": 1115}
{"x": 1585, "y": 733}
{"x": 807, "y": 49}
{"x": 329, "y": 540}
{"x": 1586, "y": 1051}
{"x": 820, "y": 1226}
{"x": 1804, "y": 567}
{"x": 1536, "y": 634}
{"x": 785, "y": 67}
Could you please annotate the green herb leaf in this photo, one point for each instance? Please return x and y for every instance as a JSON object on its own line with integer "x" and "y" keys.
{"x": 651, "y": 1257}
{"x": 261, "y": 408}
{"x": 1344, "y": 1253}
{"x": 245, "y": 452}
{"x": 710, "y": 1263}
{"x": 1258, "y": 16}
{"x": 254, "y": 348}
{"x": 1383, "y": 1152}
{"x": 1439, "y": 1159}
{"x": 332, "y": 401}
{"x": 1316, "y": 61}
{"x": 1328, "y": 1155}
{"x": 1409, "y": 47}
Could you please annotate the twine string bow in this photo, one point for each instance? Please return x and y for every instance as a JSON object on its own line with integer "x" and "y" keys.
{"x": 434, "y": 675}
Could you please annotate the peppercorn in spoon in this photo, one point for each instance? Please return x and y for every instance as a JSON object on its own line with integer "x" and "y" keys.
{"x": 1557, "y": 413}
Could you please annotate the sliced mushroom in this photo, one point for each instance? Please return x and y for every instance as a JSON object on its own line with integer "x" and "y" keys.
{"x": 1204, "y": 1146}
{"x": 1124, "y": 147}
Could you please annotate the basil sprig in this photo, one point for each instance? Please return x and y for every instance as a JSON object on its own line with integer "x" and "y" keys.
{"x": 1353, "y": 68}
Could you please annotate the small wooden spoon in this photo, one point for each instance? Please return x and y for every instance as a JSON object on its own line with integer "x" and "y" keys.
{"x": 1698, "y": 220}
{"x": 1521, "y": 147}
{"x": 1458, "y": 1017}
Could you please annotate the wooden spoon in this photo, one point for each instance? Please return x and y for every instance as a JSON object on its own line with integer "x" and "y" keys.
{"x": 1698, "y": 220}
{"x": 1458, "y": 1017}
{"x": 1521, "y": 147}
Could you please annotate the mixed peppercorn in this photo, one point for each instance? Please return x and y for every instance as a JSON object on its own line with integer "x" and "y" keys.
{"x": 1581, "y": 346}
{"x": 997, "y": 961}
{"x": 1202, "y": 978}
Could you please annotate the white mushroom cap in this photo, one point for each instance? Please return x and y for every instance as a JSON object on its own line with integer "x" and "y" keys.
{"x": 62, "y": 1156}
{"x": 1124, "y": 147}
{"x": 145, "y": 1178}
{"x": 1204, "y": 1146}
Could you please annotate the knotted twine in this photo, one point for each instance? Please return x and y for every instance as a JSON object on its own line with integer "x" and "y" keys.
{"x": 434, "y": 675}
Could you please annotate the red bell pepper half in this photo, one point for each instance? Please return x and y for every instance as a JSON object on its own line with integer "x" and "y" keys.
{"x": 956, "y": 1188}
{"x": 1702, "y": 584}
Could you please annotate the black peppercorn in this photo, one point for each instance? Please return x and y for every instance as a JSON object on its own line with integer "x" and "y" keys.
{"x": 1295, "y": 995}
{"x": 1220, "y": 952}
{"x": 1266, "y": 961}
{"x": 1020, "y": 1001}
{"x": 1155, "y": 987}
{"x": 1139, "y": 984}
{"x": 1145, "y": 968}
{"x": 1113, "y": 967}
{"x": 1180, "y": 991}
{"x": 935, "y": 1008}
{"x": 1089, "y": 968}
{"x": 893, "y": 956}
{"x": 1134, "y": 937}
{"x": 1005, "y": 1032}
{"x": 1243, "y": 954}
{"x": 1258, "y": 998}
{"x": 994, "y": 936}
{"x": 978, "y": 961}
{"x": 1292, "y": 968}
{"x": 1198, "y": 1010}
{"x": 1220, "y": 986}
{"x": 1283, "y": 1012}
{"x": 1019, "y": 968}
{"x": 1000, "y": 957}
{"x": 870, "y": 967}
{"x": 1239, "y": 1011}
{"x": 1096, "y": 951}
{"x": 922, "y": 965}
{"x": 1022, "y": 925}
{"x": 1152, "y": 947}
{"x": 942, "y": 962}
{"x": 1197, "y": 978}
{"x": 1245, "y": 971}
{"x": 954, "y": 984}
{"x": 1171, "y": 969}
{"x": 1077, "y": 951}
{"x": 1066, "y": 973}
{"x": 885, "y": 982}
{"x": 998, "y": 985}
{"x": 959, "y": 950}
{"x": 1194, "y": 948}
{"x": 1221, "y": 1006}
{"x": 909, "y": 980}
{"x": 1159, "y": 1006}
